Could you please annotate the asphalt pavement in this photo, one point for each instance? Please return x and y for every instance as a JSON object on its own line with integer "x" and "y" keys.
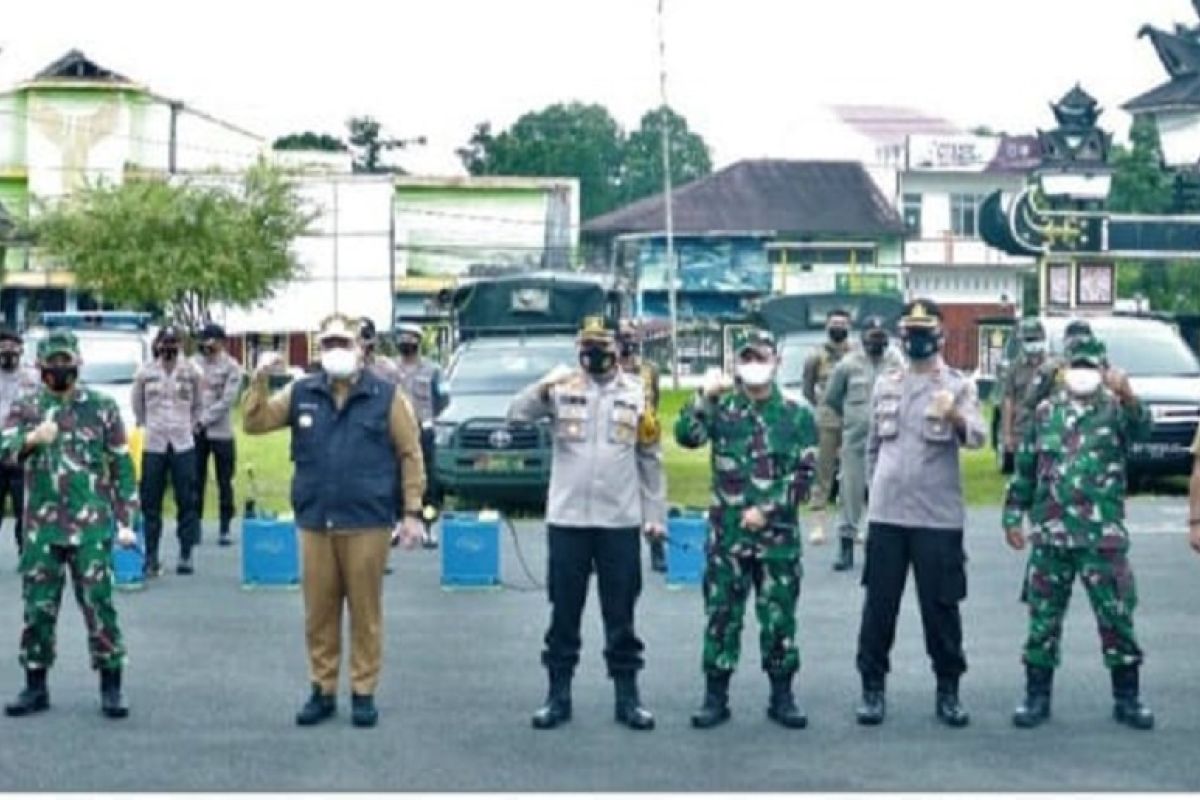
{"x": 216, "y": 674}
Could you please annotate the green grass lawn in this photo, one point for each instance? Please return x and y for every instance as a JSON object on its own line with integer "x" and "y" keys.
{"x": 687, "y": 470}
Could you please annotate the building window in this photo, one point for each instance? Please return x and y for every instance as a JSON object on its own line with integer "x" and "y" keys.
{"x": 911, "y": 205}
{"x": 964, "y": 215}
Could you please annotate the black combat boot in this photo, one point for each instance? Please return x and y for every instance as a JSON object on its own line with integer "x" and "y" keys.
{"x": 782, "y": 707}
{"x": 557, "y": 708}
{"x": 33, "y": 698}
{"x": 225, "y": 540}
{"x": 845, "y": 560}
{"x": 363, "y": 713}
{"x": 1127, "y": 706}
{"x": 629, "y": 711}
{"x": 947, "y": 706}
{"x": 112, "y": 705}
{"x": 873, "y": 708}
{"x": 318, "y": 708}
{"x": 1036, "y": 708}
{"x": 658, "y": 557}
{"x": 715, "y": 708}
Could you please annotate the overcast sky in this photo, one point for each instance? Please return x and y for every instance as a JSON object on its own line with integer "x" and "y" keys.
{"x": 752, "y": 76}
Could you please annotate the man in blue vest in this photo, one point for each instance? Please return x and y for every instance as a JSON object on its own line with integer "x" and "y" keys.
{"x": 351, "y": 433}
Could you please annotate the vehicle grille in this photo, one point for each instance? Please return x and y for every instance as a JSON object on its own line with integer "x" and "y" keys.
{"x": 486, "y": 436}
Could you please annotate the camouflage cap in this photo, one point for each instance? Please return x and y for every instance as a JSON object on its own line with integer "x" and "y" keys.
{"x": 1078, "y": 327}
{"x": 754, "y": 339}
{"x": 595, "y": 328}
{"x": 1031, "y": 329}
{"x": 1085, "y": 350}
{"x": 58, "y": 342}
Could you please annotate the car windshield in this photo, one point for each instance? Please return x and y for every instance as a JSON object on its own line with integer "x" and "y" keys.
{"x": 1153, "y": 350}
{"x": 794, "y": 351}
{"x": 105, "y": 360}
{"x": 506, "y": 370}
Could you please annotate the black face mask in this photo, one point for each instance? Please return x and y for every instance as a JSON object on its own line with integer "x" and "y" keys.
{"x": 8, "y": 361}
{"x": 407, "y": 348}
{"x": 168, "y": 353}
{"x": 627, "y": 350}
{"x": 875, "y": 347}
{"x": 921, "y": 344}
{"x": 208, "y": 348}
{"x": 838, "y": 335}
{"x": 596, "y": 360}
{"x": 59, "y": 379}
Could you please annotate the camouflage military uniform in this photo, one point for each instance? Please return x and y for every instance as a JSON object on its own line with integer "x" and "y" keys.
{"x": 758, "y": 459}
{"x": 1070, "y": 479}
{"x": 80, "y": 487}
{"x": 1020, "y": 376}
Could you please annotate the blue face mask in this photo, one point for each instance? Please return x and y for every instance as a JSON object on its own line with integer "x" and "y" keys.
{"x": 921, "y": 344}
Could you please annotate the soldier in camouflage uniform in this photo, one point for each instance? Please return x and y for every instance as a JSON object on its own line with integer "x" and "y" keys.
{"x": 817, "y": 370}
{"x": 849, "y": 397}
{"x": 632, "y": 364}
{"x": 81, "y": 487}
{"x": 1015, "y": 414}
{"x": 15, "y": 382}
{"x": 760, "y": 476}
{"x": 1070, "y": 480}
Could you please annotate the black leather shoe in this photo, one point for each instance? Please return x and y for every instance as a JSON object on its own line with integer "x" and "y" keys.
{"x": 557, "y": 708}
{"x": 782, "y": 707}
{"x": 225, "y": 539}
{"x": 363, "y": 713}
{"x": 318, "y": 708}
{"x": 845, "y": 559}
{"x": 112, "y": 705}
{"x": 185, "y": 566}
{"x": 947, "y": 706}
{"x": 873, "y": 708}
{"x": 628, "y": 710}
{"x": 715, "y": 708}
{"x": 33, "y": 698}
{"x": 1036, "y": 707}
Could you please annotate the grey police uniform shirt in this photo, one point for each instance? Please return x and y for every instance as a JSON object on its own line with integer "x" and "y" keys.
{"x": 167, "y": 405}
{"x": 220, "y": 382}
{"x": 849, "y": 390}
{"x": 912, "y": 459}
{"x": 602, "y": 476}
{"x": 383, "y": 368}
{"x": 420, "y": 382}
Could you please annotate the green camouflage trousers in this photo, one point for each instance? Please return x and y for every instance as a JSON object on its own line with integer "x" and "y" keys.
{"x": 727, "y": 584}
{"x": 1108, "y": 580}
{"x": 44, "y": 568}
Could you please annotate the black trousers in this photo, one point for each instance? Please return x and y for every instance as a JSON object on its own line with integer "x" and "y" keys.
{"x": 224, "y": 455}
{"x": 615, "y": 554}
{"x": 12, "y": 489}
{"x": 939, "y": 566}
{"x": 180, "y": 467}
{"x": 431, "y": 496}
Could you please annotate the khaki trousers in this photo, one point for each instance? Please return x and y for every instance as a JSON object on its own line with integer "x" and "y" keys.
{"x": 829, "y": 441}
{"x": 344, "y": 568}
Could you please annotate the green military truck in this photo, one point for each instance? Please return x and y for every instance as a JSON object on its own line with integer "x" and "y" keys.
{"x": 509, "y": 331}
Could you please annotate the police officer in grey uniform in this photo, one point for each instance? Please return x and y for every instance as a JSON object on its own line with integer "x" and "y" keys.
{"x": 606, "y": 488}
{"x": 922, "y": 416}
{"x": 421, "y": 380}
{"x": 848, "y": 395}
{"x": 379, "y": 364}
{"x": 166, "y": 402}
{"x": 15, "y": 382}
{"x": 220, "y": 382}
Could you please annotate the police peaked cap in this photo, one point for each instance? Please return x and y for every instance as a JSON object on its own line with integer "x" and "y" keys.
{"x": 409, "y": 329}
{"x": 212, "y": 331}
{"x": 597, "y": 329}
{"x": 921, "y": 313}
{"x": 168, "y": 333}
{"x": 873, "y": 324}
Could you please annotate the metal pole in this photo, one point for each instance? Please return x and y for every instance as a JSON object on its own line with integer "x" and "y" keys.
{"x": 666, "y": 157}
{"x": 336, "y": 234}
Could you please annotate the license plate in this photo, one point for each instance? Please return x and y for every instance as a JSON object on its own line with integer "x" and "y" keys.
{"x": 499, "y": 463}
{"x": 1158, "y": 449}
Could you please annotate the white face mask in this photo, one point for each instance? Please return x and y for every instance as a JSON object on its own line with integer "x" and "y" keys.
{"x": 1082, "y": 381}
{"x": 339, "y": 362}
{"x": 756, "y": 374}
{"x": 1035, "y": 348}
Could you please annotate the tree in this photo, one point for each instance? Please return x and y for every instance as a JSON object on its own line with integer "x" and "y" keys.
{"x": 181, "y": 247}
{"x": 1141, "y": 185}
{"x": 369, "y": 144}
{"x": 571, "y": 140}
{"x": 310, "y": 141}
{"x": 643, "y": 161}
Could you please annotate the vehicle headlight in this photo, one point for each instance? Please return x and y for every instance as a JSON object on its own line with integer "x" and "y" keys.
{"x": 443, "y": 432}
